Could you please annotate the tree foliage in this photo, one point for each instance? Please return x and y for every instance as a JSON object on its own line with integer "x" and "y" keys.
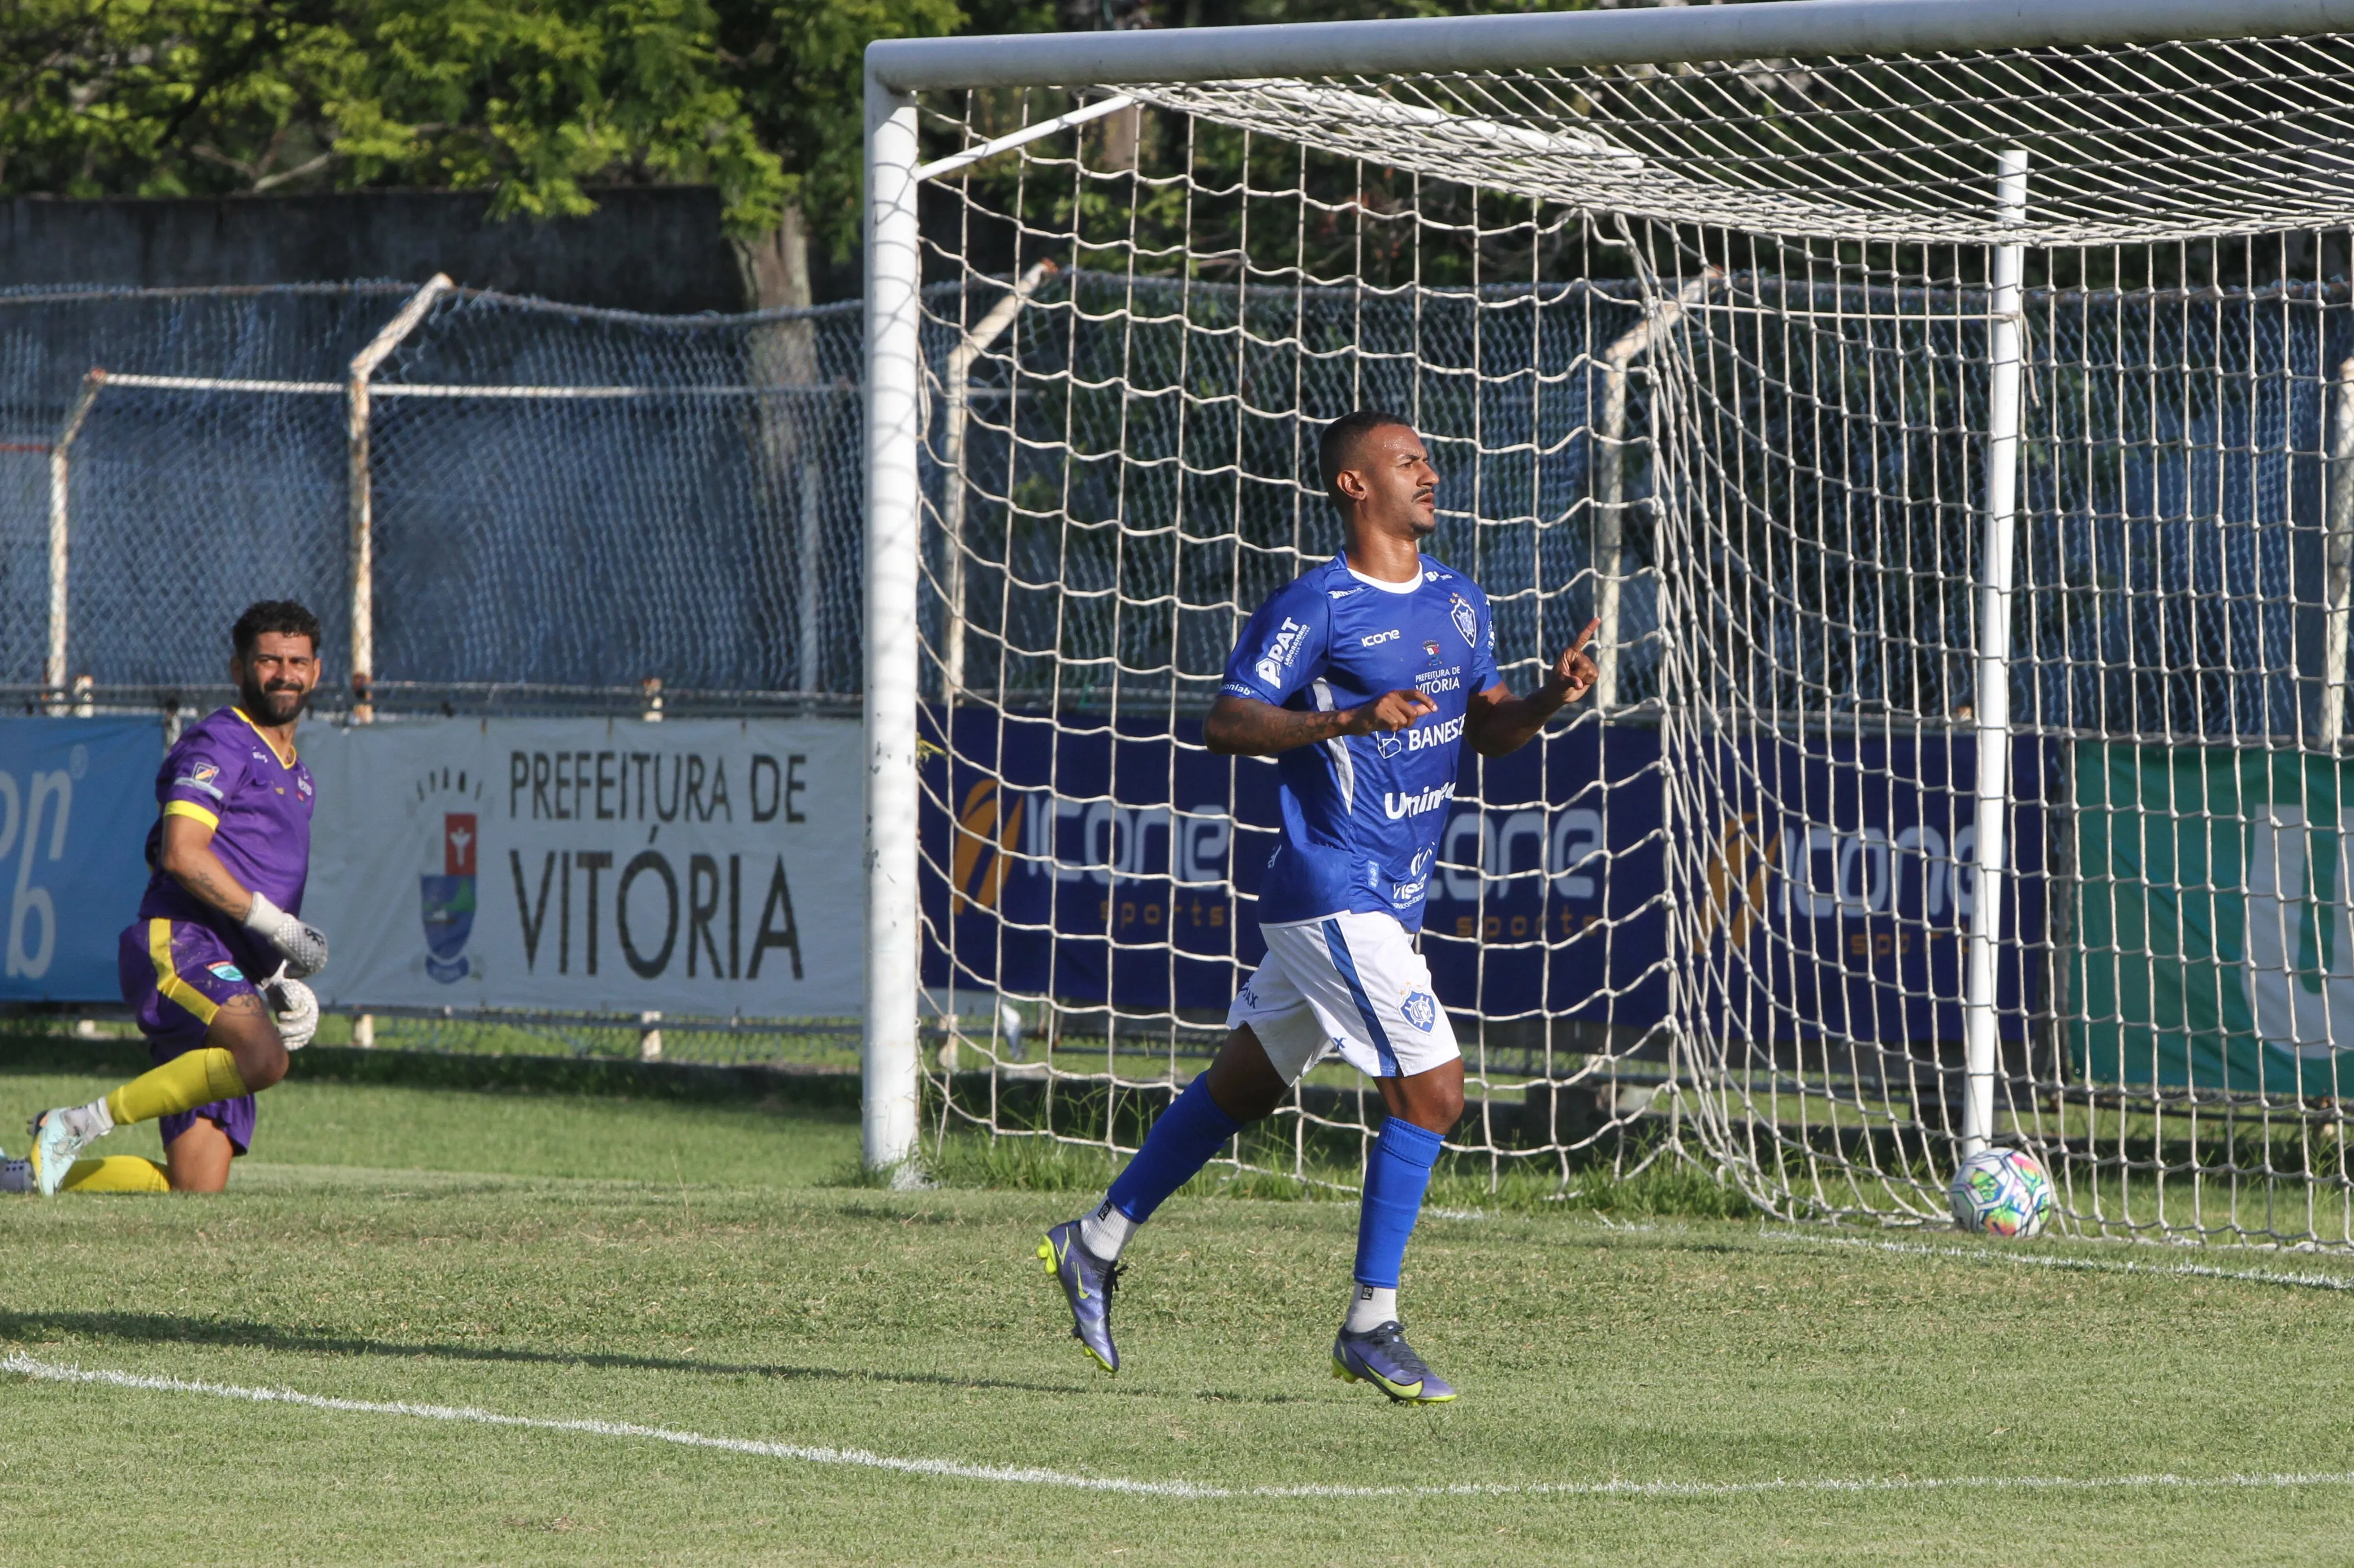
{"x": 534, "y": 102}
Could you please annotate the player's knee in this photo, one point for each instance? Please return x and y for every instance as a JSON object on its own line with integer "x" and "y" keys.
{"x": 267, "y": 1065}
{"x": 1434, "y": 1100}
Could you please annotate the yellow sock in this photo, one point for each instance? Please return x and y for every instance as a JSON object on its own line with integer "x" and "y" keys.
{"x": 195, "y": 1078}
{"x": 116, "y": 1173}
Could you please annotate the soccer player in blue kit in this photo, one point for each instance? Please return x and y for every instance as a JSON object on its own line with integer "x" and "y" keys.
{"x": 1362, "y": 678}
{"x": 213, "y": 966}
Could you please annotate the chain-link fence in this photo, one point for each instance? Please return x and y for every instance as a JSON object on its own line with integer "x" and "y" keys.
{"x": 566, "y": 502}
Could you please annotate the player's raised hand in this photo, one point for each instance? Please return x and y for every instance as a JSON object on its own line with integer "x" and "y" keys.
{"x": 305, "y": 947}
{"x": 1573, "y": 674}
{"x": 1390, "y": 711}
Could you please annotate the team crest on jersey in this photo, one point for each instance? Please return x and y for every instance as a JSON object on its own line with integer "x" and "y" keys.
{"x": 226, "y": 972}
{"x": 1421, "y": 1010}
{"x": 1459, "y": 609}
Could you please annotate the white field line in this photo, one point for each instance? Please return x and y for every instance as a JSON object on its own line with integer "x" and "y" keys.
{"x": 24, "y": 1365}
{"x": 2079, "y": 1264}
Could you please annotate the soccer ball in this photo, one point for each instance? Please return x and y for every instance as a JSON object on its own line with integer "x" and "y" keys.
{"x": 2001, "y": 1192}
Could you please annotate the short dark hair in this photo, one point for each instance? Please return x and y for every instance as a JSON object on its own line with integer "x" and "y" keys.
{"x": 283, "y": 616}
{"x": 1336, "y": 448}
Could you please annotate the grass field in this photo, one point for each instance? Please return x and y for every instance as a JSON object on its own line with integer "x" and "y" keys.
{"x": 1662, "y": 1390}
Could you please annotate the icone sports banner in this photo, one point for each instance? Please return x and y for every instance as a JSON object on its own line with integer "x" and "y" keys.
{"x": 1089, "y": 862}
{"x": 1842, "y": 882}
{"x": 77, "y": 798}
{"x": 706, "y": 867}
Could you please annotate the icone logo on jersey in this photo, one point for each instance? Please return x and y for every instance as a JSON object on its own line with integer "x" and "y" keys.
{"x": 1378, "y": 638}
{"x": 1401, "y": 806}
{"x": 1281, "y": 652}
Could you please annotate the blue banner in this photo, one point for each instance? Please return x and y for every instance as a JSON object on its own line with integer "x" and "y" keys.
{"x": 1841, "y": 882}
{"x": 1089, "y": 861}
{"x": 77, "y": 798}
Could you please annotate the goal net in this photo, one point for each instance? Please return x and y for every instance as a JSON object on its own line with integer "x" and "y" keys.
{"x": 1956, "y": 444}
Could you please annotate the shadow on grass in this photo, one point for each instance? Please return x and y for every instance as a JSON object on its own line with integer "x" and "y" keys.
{"x": 1668, "y": 1188}
{"x": 137, "y": 1328}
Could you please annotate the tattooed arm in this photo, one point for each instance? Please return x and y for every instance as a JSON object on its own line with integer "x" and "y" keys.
{"x": 1245, "y": 726}
{"x": 188, "y": 859}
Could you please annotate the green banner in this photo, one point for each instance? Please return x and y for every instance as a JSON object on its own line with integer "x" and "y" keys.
{"x": 2214, "y": 928}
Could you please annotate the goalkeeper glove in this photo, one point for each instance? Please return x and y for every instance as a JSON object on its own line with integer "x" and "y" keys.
{"x": 305, "y": 947}
{"x": 297, "y": 1009}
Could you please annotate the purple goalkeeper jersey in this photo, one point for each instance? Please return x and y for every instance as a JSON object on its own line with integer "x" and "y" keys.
{"x": 226, "y": 774}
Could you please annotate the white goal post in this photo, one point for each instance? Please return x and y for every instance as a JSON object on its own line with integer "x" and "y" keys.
{"x": 1986, "y": 479}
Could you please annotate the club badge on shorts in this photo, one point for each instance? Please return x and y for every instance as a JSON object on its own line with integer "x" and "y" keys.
{"x": 1421, "y": 1010}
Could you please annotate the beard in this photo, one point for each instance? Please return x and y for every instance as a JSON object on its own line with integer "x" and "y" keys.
{"x": 279, "y": 704}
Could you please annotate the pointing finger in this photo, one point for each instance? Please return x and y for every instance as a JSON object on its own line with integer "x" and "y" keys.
{"x": 1587, "y": 636}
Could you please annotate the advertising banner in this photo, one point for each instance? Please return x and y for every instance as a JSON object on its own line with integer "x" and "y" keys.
{"x": 2215, "y": 918}
{"x": 695, "y": 866}
{"x": 1090, "y": 862}
{"x": 1843, "y": 882}
{"x": 77, "y": 798}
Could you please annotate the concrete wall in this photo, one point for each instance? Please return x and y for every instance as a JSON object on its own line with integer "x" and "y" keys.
{"x": 655, "y": 249}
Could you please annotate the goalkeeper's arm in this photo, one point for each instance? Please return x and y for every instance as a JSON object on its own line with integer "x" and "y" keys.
{"x": 188, "y": 859}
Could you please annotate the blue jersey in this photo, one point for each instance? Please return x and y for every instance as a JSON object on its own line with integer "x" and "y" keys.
{"x": 1361, "y": 814}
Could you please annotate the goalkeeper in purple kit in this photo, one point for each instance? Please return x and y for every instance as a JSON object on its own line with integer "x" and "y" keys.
{"x": 213, "y": 967}
{"x": 1363, "y": 679}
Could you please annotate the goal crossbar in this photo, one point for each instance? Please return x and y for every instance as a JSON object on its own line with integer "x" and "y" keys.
{"x": 1423, "y": 46}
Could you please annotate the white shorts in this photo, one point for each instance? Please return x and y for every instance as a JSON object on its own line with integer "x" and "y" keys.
{"x": 1351, "y": 983}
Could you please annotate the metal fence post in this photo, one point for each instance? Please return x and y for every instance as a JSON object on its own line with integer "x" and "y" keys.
{"x": 53, "y": 672}
{"x": 2339, "y": 556}
{"x": 361, "y": 500}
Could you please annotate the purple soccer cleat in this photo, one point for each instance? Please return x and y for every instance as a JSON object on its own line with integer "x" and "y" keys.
{"x": 1382, "y": 1357}
{"x": 1087, "y": 1282}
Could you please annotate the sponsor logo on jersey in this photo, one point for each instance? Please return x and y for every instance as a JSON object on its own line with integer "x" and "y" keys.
{"x": 1466, "y": 620}
{"x": 1343, "y": 593}
{"x": 1376, "y": 639}
{"x": 302, "y": 786}
{"x": 1281, "y": 652}
{"x": 203, "y": 773}
{"x": 1430, "y": 646}
{"x": 1422, "y": 737}
{"x": 225, "y": 971}
{"x": 1421, "y": 1010}
{"x": 202, "y": 778}
{"x": 1400, "y": 807}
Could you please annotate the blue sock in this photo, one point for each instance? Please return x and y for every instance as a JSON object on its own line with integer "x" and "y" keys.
{"x": 1396, "y": 1176}
{"x": 1189, "y": 1132}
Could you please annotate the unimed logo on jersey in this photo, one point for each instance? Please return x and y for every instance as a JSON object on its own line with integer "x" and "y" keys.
{"x": 1414, "y": 805}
